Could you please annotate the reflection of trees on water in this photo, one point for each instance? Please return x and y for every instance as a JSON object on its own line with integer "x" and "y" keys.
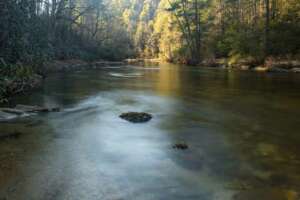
{"x": 253, "y": 151}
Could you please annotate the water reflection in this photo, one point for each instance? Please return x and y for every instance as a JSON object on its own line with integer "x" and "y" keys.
{"x": 168, "y": 80}
{"x": 241, "y": 129}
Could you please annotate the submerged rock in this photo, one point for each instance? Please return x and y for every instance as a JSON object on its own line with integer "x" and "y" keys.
{"x": 136, "y": 117}
{"x": 238, "y": 185}
{"x": 35, "y": 123}
{"x": 265, "y": 149}
{"x": 267, "y": 194}
{"x": 181, "y": 146}
{"x": 55, "y": 109}
{"x": 13, "y": 135}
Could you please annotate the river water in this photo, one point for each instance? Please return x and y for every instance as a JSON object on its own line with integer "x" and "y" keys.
{"x": 242, "y": 129}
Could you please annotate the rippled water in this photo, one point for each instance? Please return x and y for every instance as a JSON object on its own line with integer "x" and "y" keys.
{"x": 242, "y": 129}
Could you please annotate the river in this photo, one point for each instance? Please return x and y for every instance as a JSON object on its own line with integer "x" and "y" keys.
{"x": 242, "y": 129}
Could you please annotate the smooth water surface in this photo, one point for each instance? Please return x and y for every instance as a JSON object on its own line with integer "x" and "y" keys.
{"x": 242, "y": 128}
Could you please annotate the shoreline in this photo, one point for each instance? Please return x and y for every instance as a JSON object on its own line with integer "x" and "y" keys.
{"x": 269, "y": 66}
{"x": 14, "y": 86}
{"x": 11, "y": 86}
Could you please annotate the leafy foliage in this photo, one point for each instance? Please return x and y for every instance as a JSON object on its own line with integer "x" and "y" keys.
{"x": 33, "y": 31}
{"x": 189, "y": 31}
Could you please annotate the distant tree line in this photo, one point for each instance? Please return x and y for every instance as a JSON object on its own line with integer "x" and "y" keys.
{"x": 32, "y": 31}
{"x": 194, "y": 30}
{"x": 189, "y": 31}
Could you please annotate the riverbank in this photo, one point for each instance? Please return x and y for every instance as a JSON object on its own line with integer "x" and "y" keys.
{"x": 18, "y": 79}
{"x": 11, "y": 86}
{"x": 21, "y": 79}
{"x": 269, "y": 65}
{"x": 73, "y": 65}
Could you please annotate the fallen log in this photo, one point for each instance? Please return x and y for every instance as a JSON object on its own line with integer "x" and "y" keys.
{"x": 12, "y": 111}
{"x": 30, "y": 109}
{"x": 6, "y": 116}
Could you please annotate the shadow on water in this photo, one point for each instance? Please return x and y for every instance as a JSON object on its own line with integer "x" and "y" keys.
{"x": 241, "y": 129}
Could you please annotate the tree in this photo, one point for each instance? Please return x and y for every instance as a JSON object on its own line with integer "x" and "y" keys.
{"x": 188, "y": 16}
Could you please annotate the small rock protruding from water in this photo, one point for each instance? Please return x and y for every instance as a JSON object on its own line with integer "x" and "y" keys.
{"x": 180, "y": 146}
{"x": 55, "y": 109}
{"x": 136, "y": 117}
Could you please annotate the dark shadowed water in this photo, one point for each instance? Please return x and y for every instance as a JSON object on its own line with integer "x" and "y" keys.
{"x": 242, "y": 128}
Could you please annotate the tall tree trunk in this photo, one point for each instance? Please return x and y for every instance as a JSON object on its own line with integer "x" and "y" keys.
{"x": 197, "y": 55}
{"x": 267, "y": 27}
{"x": 187, "y": 24}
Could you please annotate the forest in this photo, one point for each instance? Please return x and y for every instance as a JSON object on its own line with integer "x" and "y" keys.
{"x": 193, "y": 32}
{"x": 185, "y": 31}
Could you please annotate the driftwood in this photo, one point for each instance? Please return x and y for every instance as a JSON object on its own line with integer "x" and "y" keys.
{"x": 11, "y": 113}
{"x": 29, "y": 109}
{"x": 6, "y": 116}
{"x": 26, "y": 108}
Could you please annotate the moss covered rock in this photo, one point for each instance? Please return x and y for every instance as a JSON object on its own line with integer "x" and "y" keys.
{"x": 180, "y": 146}
{"x": 136, "y": 117}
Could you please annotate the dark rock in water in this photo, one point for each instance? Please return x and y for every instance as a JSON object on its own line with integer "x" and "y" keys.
{"x": 55, "y": 109}
{"x": 136, "y": 117}
{"x": 279, "y": 180}
{"x": 267, "y": 193}
{"x": 181, "y": 146}
{"x": 35, "y": 123}
{"x": 13, "y": 135}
